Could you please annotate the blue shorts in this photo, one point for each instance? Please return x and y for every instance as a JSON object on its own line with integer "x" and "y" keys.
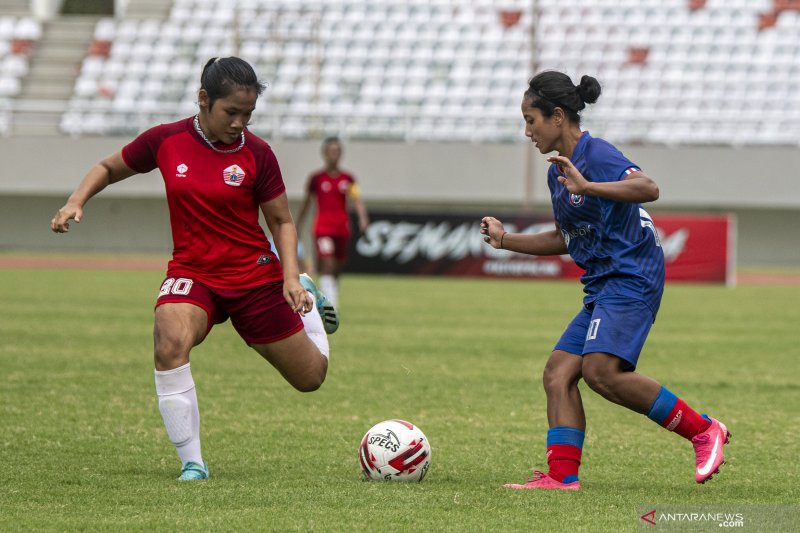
{"x": 613, "y": 325}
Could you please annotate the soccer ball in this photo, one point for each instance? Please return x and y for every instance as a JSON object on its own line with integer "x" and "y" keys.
{"x": 395, "y": 450}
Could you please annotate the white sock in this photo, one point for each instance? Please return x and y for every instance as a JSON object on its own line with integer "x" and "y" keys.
{"x": 330, "y": 288}
{"x": 177, "y": 402}
{"x": 315, "y": 330}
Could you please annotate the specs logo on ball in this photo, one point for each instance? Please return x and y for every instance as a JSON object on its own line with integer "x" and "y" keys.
{"x": 388, "y": 441}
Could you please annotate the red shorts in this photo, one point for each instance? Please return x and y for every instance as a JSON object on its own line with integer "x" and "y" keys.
{"x": 332, "y": 246}
{"x": 260, "y": 315}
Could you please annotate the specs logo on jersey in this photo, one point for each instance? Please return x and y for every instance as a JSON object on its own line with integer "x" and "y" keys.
{"x": 575, "y": 233}
{"x": 576, "y": 200}
{"x": 233, "y": 175}
{"x": 181, "y": 171}
{"x": 263, "y": 259}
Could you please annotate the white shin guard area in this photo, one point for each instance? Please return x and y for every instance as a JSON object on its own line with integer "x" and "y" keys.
{"x": 176, "y": 411}
{"x": 177, "y": 403}
{"x": 315, "y": 329}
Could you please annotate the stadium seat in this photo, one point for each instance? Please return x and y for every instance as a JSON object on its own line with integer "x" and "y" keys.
{"x": 28, "y": 29}
{"x": 422, "y": 64}
{"x": 9, "y": 86}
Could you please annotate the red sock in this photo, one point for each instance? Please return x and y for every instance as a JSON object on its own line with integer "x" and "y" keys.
{"x": 564, "y": 461}
{"x": 685, "y": 421}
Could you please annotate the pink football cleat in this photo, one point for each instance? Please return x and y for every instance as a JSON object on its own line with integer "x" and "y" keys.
{"x": 540, "y": 480}
{"x": 708, "y": 450}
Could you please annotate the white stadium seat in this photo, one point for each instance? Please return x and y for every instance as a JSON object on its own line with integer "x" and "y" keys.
{"x": 422, "y": 66}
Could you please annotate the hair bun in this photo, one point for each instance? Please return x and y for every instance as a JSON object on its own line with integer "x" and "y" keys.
{"x": 589, "y": 89}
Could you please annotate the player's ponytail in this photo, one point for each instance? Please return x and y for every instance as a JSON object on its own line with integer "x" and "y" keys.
{"x": 551, "y": 89}
{"x": 589, "y": 89}
{"x": 221, "y": 75}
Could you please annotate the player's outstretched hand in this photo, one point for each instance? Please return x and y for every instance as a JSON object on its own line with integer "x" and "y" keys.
{"x": 297, "y": 296}
{"x": 570, "y": 177}
{"x": 492, "y": 230}
{"x": 60, "y": 222}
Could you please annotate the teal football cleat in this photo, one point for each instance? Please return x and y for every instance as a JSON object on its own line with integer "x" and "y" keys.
{"x": 330, "y": 318}
{"x": 192, "y": 471}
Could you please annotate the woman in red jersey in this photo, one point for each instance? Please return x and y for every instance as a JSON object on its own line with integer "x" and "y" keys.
{"x": 332, "y": 187}
{"x": 218, "y": 177}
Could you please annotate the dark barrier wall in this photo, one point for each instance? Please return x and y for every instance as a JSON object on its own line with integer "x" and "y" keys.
{"x": 766, "y": 237}
{"x": 696, "y": 247}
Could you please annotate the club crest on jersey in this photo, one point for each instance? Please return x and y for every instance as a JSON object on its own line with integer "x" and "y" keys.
{"x": 233, "y": 175}
{"x": 576, "y": 200}
{"x": 182, "y": 168}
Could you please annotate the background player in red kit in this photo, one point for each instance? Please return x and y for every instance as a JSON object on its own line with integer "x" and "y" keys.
{"x": 332, "y": 187}
{"x": 217, "y": 177}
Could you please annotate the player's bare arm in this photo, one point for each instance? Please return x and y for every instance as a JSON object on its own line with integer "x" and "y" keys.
{"x": 637, "y": 187}
{"x": 305, "y": 205}
{"x": 545, "y": 243}
{"x": 280, "y": 223}
{"x": 110, "y": 170}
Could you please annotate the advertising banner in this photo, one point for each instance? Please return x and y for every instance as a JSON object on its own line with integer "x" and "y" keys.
{"x": 696, "y": 247}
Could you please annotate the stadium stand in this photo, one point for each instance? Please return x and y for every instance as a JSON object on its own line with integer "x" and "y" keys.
{"x": 17, "y": 37}
{"x": 392, "y": 71}
{"x": 674, "y": 71}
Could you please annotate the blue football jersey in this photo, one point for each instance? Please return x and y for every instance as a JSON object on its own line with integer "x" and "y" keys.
{"x": 616, "y": 243}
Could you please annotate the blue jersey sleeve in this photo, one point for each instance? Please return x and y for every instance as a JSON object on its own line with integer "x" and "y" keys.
{"x": 606, "y": 162}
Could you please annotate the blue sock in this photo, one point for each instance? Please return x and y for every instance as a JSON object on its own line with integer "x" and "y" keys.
{"x": 662, "y": 406}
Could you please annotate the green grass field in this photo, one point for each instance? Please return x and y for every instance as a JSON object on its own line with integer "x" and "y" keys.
{"x": 82, "y": 446}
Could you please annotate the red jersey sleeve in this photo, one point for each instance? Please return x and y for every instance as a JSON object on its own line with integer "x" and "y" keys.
{"x": 311, "y": 184}
{"x": 269, "y": 180}
{"x": 141, "y": 153}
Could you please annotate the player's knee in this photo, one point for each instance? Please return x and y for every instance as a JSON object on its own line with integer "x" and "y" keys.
{"x": 599, "y": 378}
{"x": 312, "y": 379}
{"x": 170, "y": 351}
{"x": 550, "y": 379}
{"x": 310, "y": 383}
{"x": 556, "y": 378}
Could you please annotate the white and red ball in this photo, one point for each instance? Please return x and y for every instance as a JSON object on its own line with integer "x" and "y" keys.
{"x": 395, "y": 450}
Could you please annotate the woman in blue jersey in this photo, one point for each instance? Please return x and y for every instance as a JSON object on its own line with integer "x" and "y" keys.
{"x": 596, "y": 194}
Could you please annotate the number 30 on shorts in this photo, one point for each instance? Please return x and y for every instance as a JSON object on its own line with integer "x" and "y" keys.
{"x": 180, "y": 286}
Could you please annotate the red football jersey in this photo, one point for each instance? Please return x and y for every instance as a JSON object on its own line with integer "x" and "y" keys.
{"x": 331, "y": 192}
{"x": 213, "y": 203}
